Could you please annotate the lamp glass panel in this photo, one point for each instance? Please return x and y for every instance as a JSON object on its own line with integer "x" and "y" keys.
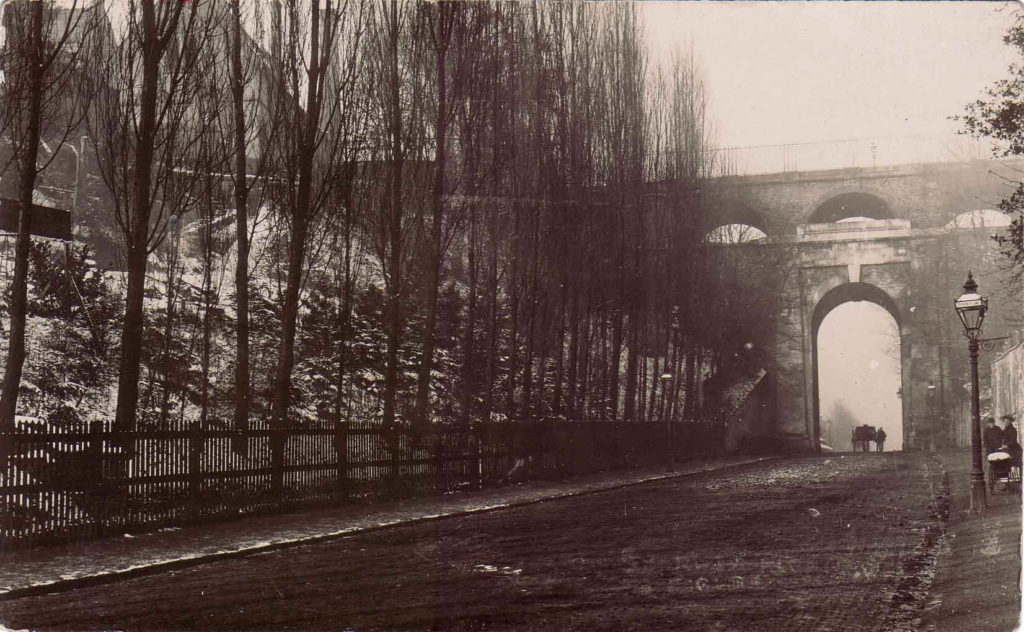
{"x": 971, "y": 318}
{"x": 971, "y": 309}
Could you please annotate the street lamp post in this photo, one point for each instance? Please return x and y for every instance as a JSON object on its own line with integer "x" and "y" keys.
{"x": 971, "y": 308}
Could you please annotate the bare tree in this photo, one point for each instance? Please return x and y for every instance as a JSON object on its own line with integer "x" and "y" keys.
{"x": 684, "y": 166}
{"x": 40, "y": 98}
{"x": 245, "y": 74}
{"x": 319, "y": 58}
{"x": 396, "y": 98}
{"x": 150, "y": 65}
{"x": 450, "y": 34}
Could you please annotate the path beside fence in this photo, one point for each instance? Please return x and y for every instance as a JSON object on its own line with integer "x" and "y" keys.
{"x": 79, "y": 482}
{"x": 66, "y": 566}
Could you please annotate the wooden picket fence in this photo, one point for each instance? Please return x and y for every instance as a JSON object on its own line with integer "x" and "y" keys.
{"x": 86, "y": 481}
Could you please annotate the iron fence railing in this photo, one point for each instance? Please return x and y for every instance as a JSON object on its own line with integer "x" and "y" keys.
{"x": 85, "y": 481}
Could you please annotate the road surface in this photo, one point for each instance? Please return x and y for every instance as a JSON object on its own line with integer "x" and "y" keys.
{"x": 843, "y": 542}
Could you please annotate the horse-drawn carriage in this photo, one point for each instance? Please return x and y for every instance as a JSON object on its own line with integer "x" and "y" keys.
{"x": 862, "y": 437}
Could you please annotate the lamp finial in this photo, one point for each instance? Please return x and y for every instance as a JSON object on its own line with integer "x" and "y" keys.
{"x": 970, "y": 286}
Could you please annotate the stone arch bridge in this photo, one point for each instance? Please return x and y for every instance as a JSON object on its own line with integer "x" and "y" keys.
{"x": 888, "y": 235}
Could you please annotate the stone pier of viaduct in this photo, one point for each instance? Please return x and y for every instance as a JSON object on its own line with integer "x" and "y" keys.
{"x": 901, "y": 237}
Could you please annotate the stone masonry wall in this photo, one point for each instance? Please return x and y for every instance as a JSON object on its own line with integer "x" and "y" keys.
{"x": 929, "y": 195}
{"x": 915, "y": 260}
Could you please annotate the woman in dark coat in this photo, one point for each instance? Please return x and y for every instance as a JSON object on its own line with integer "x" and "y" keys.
{"x": 992, "y": 436}
{"x": 1010, "y": 439}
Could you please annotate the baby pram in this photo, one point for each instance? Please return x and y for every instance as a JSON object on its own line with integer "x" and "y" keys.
{"x": 1004, "y": 470}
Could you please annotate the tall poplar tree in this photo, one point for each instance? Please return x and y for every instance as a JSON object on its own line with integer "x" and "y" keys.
{"x": 40, "y": 97}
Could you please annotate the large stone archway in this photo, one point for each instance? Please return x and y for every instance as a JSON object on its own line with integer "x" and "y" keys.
{"x": 834, "y": 298}
{"x": 876, "y": 261}
{"x": 906, "y": 248}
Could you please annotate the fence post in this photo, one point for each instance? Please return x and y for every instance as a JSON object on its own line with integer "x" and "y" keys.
{"x": 394, "y": 477}
{"x": 341, "y": 450}
{"x": 541, "y": 443}
{"x": 618, "y": 453}
{"x": 277, "y": 445}
{"x": 99, "y": 473}
{"x": 195, "y": 464}
{"x": 240, "y": 442}
{"x": 6, "y": 448}
{"x": 96, "y": 450}
{"x": 478, "y": 466}
{"x": 440, "y": 478}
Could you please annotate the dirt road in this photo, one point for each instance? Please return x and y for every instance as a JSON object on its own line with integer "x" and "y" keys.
{"x": 817, "y": 543}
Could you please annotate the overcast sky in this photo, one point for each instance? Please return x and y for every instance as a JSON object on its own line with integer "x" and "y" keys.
{"x": 791, "y": 72}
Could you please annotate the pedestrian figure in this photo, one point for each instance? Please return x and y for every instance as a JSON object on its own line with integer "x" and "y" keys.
{"x": 1010, "y": 436}
{"x": 1010, "y": 440}
{"x": 992, "y": 438}
{"x": 880, "y": 439}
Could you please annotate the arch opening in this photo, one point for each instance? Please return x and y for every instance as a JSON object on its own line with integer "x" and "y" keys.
{"x": 733, "y": 221}
{"x": 980, "y": 218}
{"x": 735, "y": 234}
{"x": 857, "y": 367}
{"x": 852, "y": 206}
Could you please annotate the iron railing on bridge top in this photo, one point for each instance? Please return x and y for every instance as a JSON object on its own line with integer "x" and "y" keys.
{"x": 83, "y": 480}
{"x": 849, "y": 153}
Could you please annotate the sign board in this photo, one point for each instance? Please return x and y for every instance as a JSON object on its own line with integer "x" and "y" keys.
{"x": 52, "y": 223}
{"x": 971, "y": 302}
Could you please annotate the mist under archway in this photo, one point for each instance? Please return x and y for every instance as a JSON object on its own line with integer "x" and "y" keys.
{"x": 859, "y": 374}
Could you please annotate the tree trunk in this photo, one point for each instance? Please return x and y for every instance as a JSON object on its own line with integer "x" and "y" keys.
{"x": 574, "y": 345}
{"x": 560, "y": 351}
{"x": 241, "y": 195}
{"x": 138, "y": 255}
{"x": 600, "y": 391}
{"x": 131, "y": 342}
{"x": 468, "y": 362}
{"x": 539, "y": 406}
{"x": 616, "y": 360}
{"x": 515, "y": 292}
{"x": 492, "y": 314}
{"x": 652, "y": 399}
{"x": 344, "y": 319}
{"x": 394, "y": 237}
{"x": 172, "y": 265}
{"x": 296, "y": 254}
{"x": 584, "y": 372}
{"x": 531, "y": 317}
{"x": 204, "y": 394}
{"x": 27, "y": 172}
{"x": 420, "y": 413}
{"x": 629, "y": 412}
